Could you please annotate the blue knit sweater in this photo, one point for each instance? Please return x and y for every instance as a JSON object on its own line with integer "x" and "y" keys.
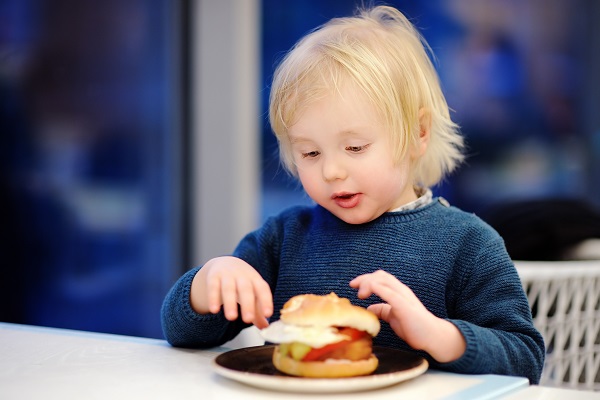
{"x": 456, "y": 265}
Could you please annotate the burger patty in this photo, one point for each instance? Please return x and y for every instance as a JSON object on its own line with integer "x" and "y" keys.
{"x": 357, "y": 346}
{"x": 360, "y": 349}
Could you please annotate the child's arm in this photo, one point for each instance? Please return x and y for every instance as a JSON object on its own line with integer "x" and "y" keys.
{"x": 201, "y": 309}
{"x": 186, "y": 317}
{"x": 409, "y": 318}
{"x": 227, "y": 282}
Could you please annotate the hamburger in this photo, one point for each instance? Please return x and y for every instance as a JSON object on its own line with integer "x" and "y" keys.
{"x": 323, "y": 337}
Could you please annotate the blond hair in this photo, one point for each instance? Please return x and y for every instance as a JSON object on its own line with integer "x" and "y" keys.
{"x": 381, "y": 52}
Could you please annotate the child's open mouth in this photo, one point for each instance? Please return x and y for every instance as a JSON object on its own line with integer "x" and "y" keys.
{"x": 346, "y": 200}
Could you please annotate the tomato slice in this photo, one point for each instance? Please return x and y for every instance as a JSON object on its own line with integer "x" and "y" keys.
{"x": 318, "y": 353}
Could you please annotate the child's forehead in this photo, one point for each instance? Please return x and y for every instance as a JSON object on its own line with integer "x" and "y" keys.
{"x": 341, "y": 98}
{"x": 344, "y": 91}
{"x": 346, "y": 113}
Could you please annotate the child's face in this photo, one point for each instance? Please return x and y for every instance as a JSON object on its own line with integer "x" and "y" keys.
{"x": 344, "y": 159}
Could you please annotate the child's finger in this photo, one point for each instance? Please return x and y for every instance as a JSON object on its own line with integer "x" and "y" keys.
{"x": 385, "y": 292}
{"x": 264, "y": 298}
{"x": 214, "y": 296}
{"x": 358, "y": 280}
{"x": 365, "y": 290}
{"x": 378, "y": 275}
{"x": 264, "y": 304}
{"x": 229, "y": 297}
{"x": 260, "y": 321}
{"x": 382, "y": 311}
{"x": 246, "y": 299}
{"x": 364, "y": 284}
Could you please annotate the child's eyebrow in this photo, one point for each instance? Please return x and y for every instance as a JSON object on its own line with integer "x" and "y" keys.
{"x": 344, "y": 133}
{"x": 361, "y": 134}
{"x": 350, "y": 133}
{"x": 298, "y": 139}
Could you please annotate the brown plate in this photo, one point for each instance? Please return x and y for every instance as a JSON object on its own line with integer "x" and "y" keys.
{"x": 253, "y": 366}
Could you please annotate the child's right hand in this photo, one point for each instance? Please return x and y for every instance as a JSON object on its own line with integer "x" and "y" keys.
{"x": 227, "y": 282}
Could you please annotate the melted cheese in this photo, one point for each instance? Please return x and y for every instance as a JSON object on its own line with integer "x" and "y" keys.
{"x": 314, "y": 336}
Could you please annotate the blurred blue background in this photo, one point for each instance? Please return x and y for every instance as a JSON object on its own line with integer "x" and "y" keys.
{"x": 94, "y": 203}
{"x": 520, "y": 77}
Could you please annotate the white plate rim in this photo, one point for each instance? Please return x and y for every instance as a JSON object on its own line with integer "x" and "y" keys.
{"x": 321, "y": 385}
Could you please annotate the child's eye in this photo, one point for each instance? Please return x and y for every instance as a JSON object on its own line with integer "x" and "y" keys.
{"x": 310, "y": 154}
{"x": 357, "y": 149}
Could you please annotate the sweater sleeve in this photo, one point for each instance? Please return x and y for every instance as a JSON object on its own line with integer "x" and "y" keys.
{"x": 493, "y": 315}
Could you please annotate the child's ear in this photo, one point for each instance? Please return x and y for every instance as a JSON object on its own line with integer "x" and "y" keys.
{"x": 422, "y": 142}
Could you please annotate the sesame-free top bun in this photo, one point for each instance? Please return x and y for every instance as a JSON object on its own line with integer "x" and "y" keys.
{"x": 324, "y": 369}
{"x": 328, "y": 310}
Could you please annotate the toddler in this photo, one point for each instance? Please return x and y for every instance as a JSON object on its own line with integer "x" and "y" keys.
{"x": 361, "y": 120}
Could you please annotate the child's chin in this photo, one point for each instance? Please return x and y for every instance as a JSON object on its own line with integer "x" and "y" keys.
{"x": 353, "y": 216}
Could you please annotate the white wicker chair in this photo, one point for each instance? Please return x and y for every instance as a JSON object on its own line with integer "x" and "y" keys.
{"x": 565, "y": 300}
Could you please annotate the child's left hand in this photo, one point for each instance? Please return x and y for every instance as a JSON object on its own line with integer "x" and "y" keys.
{"x": 409, "y": 318}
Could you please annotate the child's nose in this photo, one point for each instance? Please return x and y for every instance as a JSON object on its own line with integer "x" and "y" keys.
{"x": 333, "y": 169}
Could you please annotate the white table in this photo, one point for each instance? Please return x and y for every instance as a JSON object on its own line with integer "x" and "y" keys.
{"x": 547, "y": 393}
{"x": 47, "y": 363}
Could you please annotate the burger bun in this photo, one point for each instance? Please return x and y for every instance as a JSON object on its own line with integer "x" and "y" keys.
{"x": 328, "y": 310}
{"x": 323, "y": 369}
